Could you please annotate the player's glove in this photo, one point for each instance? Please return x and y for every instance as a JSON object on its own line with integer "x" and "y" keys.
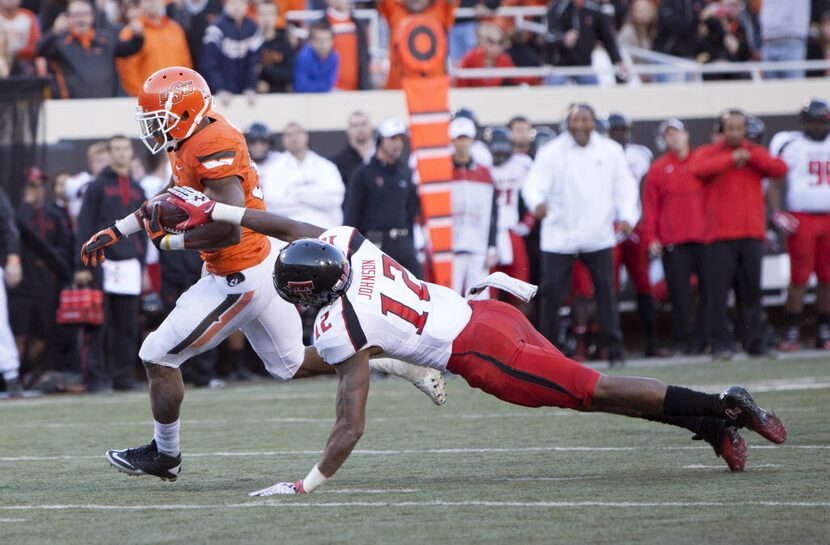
{"x": 92, "y": 252}
{"x": 281, "y": 489}
{"x": 197, "y": 205}
{"x": 152, "y": 225}
{"x": 785, "y": 221}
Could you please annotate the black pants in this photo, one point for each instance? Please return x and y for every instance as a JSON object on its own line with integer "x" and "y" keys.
{"x": 556, "y": 283}
{"x": 680, "y": 261}
{"x": 730, "y": 262}
{"x": 113, "y": 346}
{"x": 402, "y": 250}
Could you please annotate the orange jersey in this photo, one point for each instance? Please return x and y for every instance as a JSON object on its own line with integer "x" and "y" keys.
{"x": 217, "y": 151}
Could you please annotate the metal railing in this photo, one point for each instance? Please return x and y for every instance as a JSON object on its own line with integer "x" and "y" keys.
{"x": 655, "y": 63}
{"x": 682, "y": 67}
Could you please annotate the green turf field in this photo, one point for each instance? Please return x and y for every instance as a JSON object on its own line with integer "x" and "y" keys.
{"x": 474, "y": 471}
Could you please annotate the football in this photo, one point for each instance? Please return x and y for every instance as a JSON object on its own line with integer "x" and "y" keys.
{"x": 171, "y": 215}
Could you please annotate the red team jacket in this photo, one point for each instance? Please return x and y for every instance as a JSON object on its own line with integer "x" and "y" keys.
{"x": 734, "y": 199}
{"x": 673, "y": 202}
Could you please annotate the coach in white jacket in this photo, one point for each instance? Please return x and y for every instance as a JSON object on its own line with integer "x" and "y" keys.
{"x": 302, "y": 185}
{"x": 581, "y": 188}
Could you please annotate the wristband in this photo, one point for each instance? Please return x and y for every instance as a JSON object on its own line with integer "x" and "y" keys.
{"x": 227, "y": 213}
{"x": 129, "y": 225}
{"x": 172, "y": 242}
{"x": 314, "y": 479}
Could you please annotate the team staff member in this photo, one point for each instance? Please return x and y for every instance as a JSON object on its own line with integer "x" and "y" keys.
{"x": 113, "y": 194}
{"x": 735, "y": 220}
{"x": 12, "y": 274}
{"x": 804, "y": 215}
{"x": 382, "y": 200}
{"x": 580, "y": 186}
{"x": 673, "y": 228}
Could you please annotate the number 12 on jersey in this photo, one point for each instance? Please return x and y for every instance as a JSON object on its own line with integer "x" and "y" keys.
{"x": 391, "y": 306}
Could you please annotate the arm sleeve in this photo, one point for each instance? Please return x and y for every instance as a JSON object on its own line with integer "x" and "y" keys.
{"x": 47, "y": 46}
{"x": 607, "y": 37}
{"x": 353, "y": 206}
{"x": 303, "y": 82}
{"x": 253, "y": 58}
{"x": 87, "y": 219}
{"x": 334, "y": 73}
{"x": 626, "y": 190}
{"x": 128, "y": 43}
{"x": 707, "y": 163}
{"x": 328, "y": 192}
{"x": 651, "y": 206}
{"x": 413, "y": 206}
{"x": 8, "y": 225}
{"x": 765, "y": 164}
{"x": 211, "y": 63}
{"x": 539, "y": 180}
{"x": 28, "y": 51}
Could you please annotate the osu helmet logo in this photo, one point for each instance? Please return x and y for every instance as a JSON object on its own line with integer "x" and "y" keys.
{"x": 176, "y": 93}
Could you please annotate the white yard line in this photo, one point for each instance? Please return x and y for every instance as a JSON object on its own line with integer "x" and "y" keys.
{"x": 409, "y": 452}
{"x": 759, "y": 466}
{"x": 289, "y": 503}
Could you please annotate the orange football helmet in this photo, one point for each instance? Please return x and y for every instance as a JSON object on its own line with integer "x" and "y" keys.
{"x": 171, "y": 104}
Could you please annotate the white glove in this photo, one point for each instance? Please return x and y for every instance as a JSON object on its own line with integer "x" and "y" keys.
{"x": 281, "y": 489}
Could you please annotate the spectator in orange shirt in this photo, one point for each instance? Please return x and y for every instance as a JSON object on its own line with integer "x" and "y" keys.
{"x": 351, "y": 43}
{"x": 489, "y": 54}
{"x": 165, "y": 45}
{"x": 395, "y": 11}
{"x": 22, "y": 33}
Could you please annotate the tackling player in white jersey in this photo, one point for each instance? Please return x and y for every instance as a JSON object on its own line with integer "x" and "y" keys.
{"x": 800, "y": 206}
{"x": 370, "y": 305}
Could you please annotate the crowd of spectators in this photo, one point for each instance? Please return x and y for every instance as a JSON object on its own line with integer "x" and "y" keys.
{"x": 565, "y": 211}
{"x": 101, "y": 48}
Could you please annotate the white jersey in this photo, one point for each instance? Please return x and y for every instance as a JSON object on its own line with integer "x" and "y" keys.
{"x": 639, "y": 160}
{"x": 508, "y": 179}
{"x": 808, "y": 178}
{"x": 387, "y": 307}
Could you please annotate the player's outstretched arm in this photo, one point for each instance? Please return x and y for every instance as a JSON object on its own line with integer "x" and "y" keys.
{"x": 352, "y": 392}
{"x": 279, "y": 226}
{"x": 203, "y": 210}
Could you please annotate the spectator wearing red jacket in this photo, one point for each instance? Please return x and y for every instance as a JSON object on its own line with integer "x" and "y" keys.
{"x": 490, "y": 53}
{"x": 734, "y": 206}
{"x": 673, "y": 229}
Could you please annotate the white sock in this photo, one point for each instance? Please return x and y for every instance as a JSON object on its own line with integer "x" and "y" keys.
{"x": 167, "y": 437}
{"x": 11, "y": 375}
{"x": 398, "y": 368}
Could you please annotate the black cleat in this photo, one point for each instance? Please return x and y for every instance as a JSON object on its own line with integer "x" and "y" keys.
{"x": 146, "y": 460}
{"x": 728, "y": 444}
{"x": 742, "y": 411}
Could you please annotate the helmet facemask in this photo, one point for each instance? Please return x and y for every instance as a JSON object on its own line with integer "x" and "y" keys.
{"x": 155, "y": 128}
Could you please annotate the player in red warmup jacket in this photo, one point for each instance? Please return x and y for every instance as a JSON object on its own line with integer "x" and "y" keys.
{"x": 370, "y": 305}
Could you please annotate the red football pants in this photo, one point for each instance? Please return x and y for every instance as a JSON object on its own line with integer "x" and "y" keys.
{"x": 500, "y": 353}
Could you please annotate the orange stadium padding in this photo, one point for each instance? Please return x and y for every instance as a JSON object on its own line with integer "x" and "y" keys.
{"x": 420, "y": 45}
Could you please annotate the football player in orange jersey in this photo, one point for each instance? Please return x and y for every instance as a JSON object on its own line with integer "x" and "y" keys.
{"x": 209, "y": 154}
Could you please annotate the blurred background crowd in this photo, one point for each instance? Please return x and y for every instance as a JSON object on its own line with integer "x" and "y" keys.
{"x": 105, "y": 48}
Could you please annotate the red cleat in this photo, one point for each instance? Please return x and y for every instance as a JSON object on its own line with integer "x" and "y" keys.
{"x": 728, "y": 444}
{"x": 742, "y": 411}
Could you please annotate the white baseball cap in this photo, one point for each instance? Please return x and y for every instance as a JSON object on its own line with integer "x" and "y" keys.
{"x": 462, "y": 126}
{"x": 391, "y": 127}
